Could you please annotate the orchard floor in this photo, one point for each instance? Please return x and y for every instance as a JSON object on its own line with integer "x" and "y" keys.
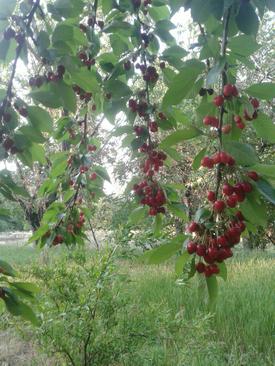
{"x": 170, "y": 323}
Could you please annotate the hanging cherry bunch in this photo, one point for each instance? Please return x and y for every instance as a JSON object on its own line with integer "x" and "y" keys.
{"x": 213, "y": 240}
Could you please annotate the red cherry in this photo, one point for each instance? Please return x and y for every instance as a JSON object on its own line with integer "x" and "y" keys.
{"x": 255, "y": 103}
{"x": 232, "y": 200}
{"x": 228, "y": 90}
{"x": 211, "y": 196}
{"x": 93, "y": 176}
{"x": 240, "y": 125}
{"x": 162, "y": 64}
{"x": 153, "y": 211}
{"x": 222, "y": 241}
{"x": 227, "y": 189}
{"x": 231, "y": 161}
{"x": 193, "y": 227}
{"x": 200, "y": 267}
{"x": 213, "y": 253}
{"x": 247, "y": 187}
{"x": 207, "y": 120}
{"x": 224, "y": 157}
{"x": 91, "y": 148}
{"x": 238, "y": 119}
{"x": 207, "y": 162}
{"x": 191, "y": 247}
{"x": 253, "y": 175}
{"x": 239, "y": 215}
{"x": 235, "y": 91}
{"x": 219, "y": 206}
{"x": 201, "y": 250}
{"x": 218, "y": 100}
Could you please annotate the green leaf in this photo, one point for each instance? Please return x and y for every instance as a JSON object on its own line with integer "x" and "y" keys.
{"x": 247, "y": 19}
{"x": 40, "y": 118}
{"x": 7, "y": 269}
{"x": 180, "y": 135}
{"x": 18, "y": 308}
{"x": 215, "y": 72}
{"x": 38, "y": 153}
{"x": 265, "y": 188}
{"x": 264, "y": 169}
{"x": 197, "y": 160}
{"x": 26, "y": 286}
{"x": 270, "y": 4}
{"x": 244, "y": 154}
{"x": 158, "y": 225}
{"x": 158, "y": 13}
{"x": 102, "y": 173}
{"x": 6, "y": 8}
{"x": 181, "y": 262}
{"x": 202, "y": 215}
{"x": 121, "y": 130}
{"x": 243, "y": 45}
{"x": 212, "y": 287}
{"x": 86, "y": 80}
{"x": 47, "y": 95}
{"x": 264, "y": 91}
{"x": 39, "y": 233}
{"x": 178, "y": 209}
{"x": 182, "y": 84}
{"x": 118, "y": 89}
{"x": 66, "y": 95}
{"x": 165, "y": 251}
{"x": 138, "y": 214}
{"x": 254, "y": 209}
{"x": 264, "y": 127}
{"x": 223, "y": 271}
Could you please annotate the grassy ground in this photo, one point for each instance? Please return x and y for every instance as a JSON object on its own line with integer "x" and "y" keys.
{"x": 168, "y": 325}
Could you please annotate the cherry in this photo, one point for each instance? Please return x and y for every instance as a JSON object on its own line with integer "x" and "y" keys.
{"x": 247, "y": 116}
{"x": 255, "y": 115}
{"x": 227, "y": 189}
{"x": 247, "y": 187}
{"x": 100, "y": 23}
{"x": 224, "y": 157}
{"x": 213, "y": 253}
{"x": 226, "y": 129}
{"x": 239, "y": 215}
{"x": 207, "y": 162}
{"x": 83, "y": 27}
{"x": 211, "y": 196}
{"x": 201, "y": 250}
{"x": 202, "y": 92}
{"x": 127, "y": 65}
{"x": 240, "y": 125}
{"x": 83, "y": 169}
{"x": 214, "y": 269}
{"x": 218, "y": 100}
{"x": 228, "y": 90}
{"x": 58, "y": 239}
{"x": 219, "y": 206}
{"x": 60, "y": 70}
{"x": 92, "y": 148}
{"x": 253, "y": 175}
{"x": 200, "y": 267}
{"x": 255, "y": 103}
{"x": 162, "y": 65}
{"x": 93, "y": 176}
{"x": 207, "y": 271}
{"x": 222, "y": 241}
{"x": 23, "y": 111}
{"x": 193, "y": 227}
{"x": 232, "y": 200}
{"x": 238, "y": 119}
{"x": 153, "y": 126}
{"x": 153, "y": 211}
{"x": 191, "y": 247}
{"x": 210, "y": 91}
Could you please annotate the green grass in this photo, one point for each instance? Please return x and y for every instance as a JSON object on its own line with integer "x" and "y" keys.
{"x": 164, "y": 324}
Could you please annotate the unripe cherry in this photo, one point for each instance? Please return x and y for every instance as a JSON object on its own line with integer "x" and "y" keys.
{"x": 226, "y": 129}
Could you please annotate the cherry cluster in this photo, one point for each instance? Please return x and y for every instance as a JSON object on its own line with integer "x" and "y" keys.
{"x": 83, "y": 95}
{"x": 213, "y": 247}
{"x": 86, "y": 59}
{"x": 10, "y": 33}
{"x": 220, "y": 157}
{"x": 152, "y": 195}
{"x": 149, "y": 73}
{"x": 39, "y": 80}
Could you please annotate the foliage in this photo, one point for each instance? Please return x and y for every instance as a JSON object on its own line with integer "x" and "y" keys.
{"x": 89, "y": 62}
